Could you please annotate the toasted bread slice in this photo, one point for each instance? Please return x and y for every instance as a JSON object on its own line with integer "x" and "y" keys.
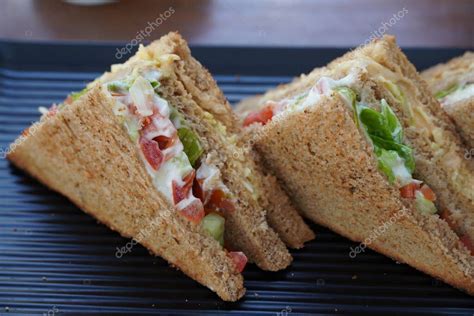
{"x": 451, "y": 78}
{"x": 330, "y": 169}
{"x": 204, "y": 92}
{"x": 84, "y": 153}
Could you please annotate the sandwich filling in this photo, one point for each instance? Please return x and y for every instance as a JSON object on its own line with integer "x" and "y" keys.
{"x": 171, "y": 152}
{"x": 442, "y": 150}
{"x": 455, "y": 84}
{"x": 455, "y": 93}
{"x": 382, "y": 129}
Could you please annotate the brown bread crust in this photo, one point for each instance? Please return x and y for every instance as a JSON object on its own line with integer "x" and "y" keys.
{"x": 85, "y": 154}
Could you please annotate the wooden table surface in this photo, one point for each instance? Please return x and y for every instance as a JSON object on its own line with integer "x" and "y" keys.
{"x": 425, "y": 23}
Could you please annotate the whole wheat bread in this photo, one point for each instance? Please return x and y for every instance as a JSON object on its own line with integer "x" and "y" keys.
{"x": 84, "y": 153}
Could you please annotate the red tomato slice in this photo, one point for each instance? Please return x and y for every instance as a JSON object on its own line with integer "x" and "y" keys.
{"x": 408, "y": 191}
{"x": 239, "y": 258}
{"x": 26, "y": 132}
{"x": 152, "y": 152}
{"x": 194, "y": 211}
{"x": 146, "y": 123}
{"x": 468, "y": 243}
{"x": 133, "y": 109}
{"x": 68, "y": 100}
{"x": 262, "y": 116}
{"x": 181, "y": 192}
{"x": 53, "y": 110}
{"x": 227, "y": 206}
{"x": 428, "y": 193}
{"x": 445, "y": 216}
{"x": 197, "y": 189}
{"x": 251, "y": 118}
{"x": 219, "y": 201}
{"x": 216, "y": 197}
{"x": 164, "y": 142}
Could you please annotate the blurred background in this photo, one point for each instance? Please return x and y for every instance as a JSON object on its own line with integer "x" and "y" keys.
{"x": 301, "y": 23}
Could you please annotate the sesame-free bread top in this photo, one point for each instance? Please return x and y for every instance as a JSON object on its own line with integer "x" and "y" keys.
{"x": 330, "y": 169}
{"x": 84, "y": 153}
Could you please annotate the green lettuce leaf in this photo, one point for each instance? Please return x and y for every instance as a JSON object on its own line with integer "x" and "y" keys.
{"x": 155, "y": 84}
{"x": 177, "y": 118}
{"x": 386, "y": 132}
{"x": 404, "y": 151}
{"x": 192, "y": 145}
{"x": 77, "y": 95}
{"x": 350, "y": 96}
{"x": 392, "y": 121}
{"x": 386, "y": 160}
{"x": 442, "y": 93}
{"x": 118, "y": 86}
{"x": 375, "y": 123}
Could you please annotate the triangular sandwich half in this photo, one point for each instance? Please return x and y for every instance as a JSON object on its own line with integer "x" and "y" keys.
{"x": 366, "y": 150}
{"x": 138, "y": 152}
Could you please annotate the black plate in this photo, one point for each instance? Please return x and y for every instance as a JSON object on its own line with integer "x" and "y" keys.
{"x": 54, "y": 259}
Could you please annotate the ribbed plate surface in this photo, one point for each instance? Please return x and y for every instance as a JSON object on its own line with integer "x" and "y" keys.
{"x": 55, "y": 260}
